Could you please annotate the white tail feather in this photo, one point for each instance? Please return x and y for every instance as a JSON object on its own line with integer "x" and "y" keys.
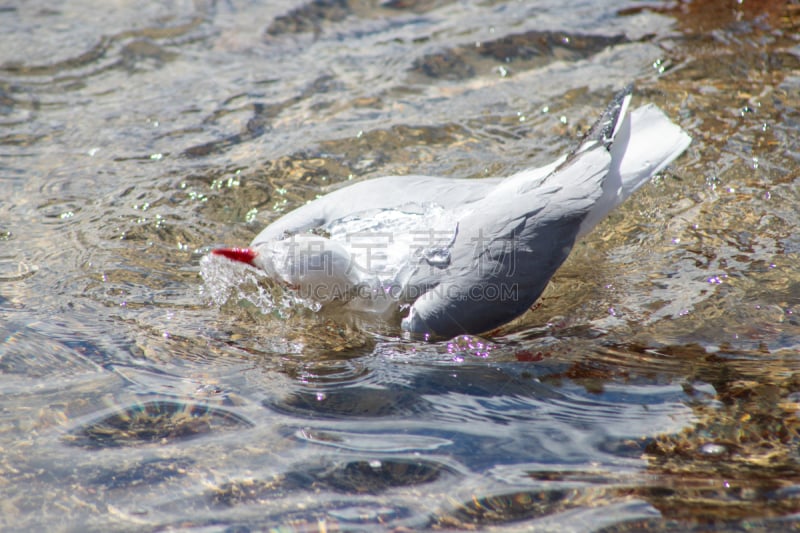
{"x": 646, "y": 142}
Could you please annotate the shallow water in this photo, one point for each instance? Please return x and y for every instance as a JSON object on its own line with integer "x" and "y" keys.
{"x": 654, "y": 386}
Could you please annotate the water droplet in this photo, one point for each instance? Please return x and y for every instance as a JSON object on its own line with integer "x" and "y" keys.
{"x": 711, "y": 448}
{"x": 438, "y": 257}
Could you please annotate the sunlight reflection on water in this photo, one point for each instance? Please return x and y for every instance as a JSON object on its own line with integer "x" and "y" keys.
{"x": 661, "y": 359}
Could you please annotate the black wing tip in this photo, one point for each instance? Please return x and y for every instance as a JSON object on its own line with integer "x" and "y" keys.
{"x": 605, "y": 128}
{"x": 625, "y": 91}
{"x": 607, "y": 125}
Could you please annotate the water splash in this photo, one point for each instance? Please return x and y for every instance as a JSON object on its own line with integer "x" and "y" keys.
{"x": 469, "y": 346}
{"x": 226, "y": 281}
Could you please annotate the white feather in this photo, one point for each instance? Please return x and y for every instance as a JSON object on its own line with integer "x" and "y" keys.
{"x": 647, "y": 141}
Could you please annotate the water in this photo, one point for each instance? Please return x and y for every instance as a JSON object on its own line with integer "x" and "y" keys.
{"x": 653, "y": 386}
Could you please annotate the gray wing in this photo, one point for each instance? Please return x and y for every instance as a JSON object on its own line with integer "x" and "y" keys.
{"x": 381, "y": 193}
{"x": 506, "y": 251}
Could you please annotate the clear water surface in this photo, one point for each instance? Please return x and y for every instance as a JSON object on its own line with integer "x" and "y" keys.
{"x": 654, "y": 387}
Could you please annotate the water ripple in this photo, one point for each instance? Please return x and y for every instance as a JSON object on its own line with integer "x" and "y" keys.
{"x": 153, "y": 422}
{"x": 372, "y": 443}
{"x": 653, "y": 387}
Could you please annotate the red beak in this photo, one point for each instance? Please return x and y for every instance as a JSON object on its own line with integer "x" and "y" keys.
{"x": 244, "y": 255}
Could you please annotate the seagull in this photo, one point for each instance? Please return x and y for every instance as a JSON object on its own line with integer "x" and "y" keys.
{"x": 453, "y": 256}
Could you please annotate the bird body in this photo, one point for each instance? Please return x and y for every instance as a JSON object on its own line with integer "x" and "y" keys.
{"x": 464, "y": 256}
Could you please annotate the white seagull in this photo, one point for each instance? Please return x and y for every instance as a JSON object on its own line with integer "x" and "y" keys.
{"x": 456, "y": 255}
